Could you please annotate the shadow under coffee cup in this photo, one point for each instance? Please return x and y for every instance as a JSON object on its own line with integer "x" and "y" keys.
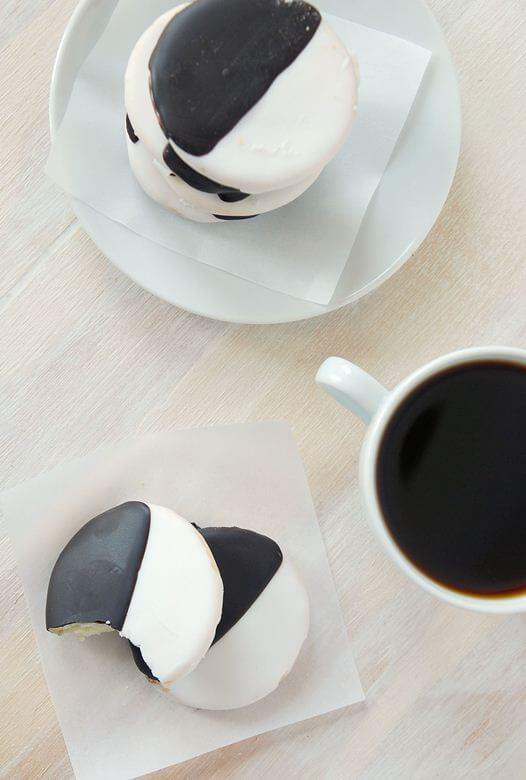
{"x": 443, "y": 471}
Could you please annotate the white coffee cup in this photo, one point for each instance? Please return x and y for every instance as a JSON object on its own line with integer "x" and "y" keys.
{"x": 359, "y": 392}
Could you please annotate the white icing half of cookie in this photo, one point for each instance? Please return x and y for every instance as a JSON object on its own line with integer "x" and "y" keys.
{"x": 252, "y": 658}
{"x": 177, "y": 600}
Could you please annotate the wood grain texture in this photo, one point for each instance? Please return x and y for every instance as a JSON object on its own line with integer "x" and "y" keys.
{"x": 89, "y": 358}
{"x": 34, "y": 213}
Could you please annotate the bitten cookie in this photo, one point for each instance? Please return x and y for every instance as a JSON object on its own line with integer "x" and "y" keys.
{"x": 142, "y": 570}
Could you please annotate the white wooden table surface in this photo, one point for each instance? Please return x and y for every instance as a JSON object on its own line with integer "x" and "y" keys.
{"x": 88, "y": 358}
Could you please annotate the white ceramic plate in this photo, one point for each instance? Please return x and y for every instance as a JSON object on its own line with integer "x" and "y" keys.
{"x": 411, "y": 195}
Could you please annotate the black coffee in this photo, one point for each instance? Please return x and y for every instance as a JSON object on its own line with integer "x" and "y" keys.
{"x": 451, "y": 478}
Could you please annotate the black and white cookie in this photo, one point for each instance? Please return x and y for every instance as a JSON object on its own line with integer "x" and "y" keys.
{"x": 144, "y": 571}
{"x": 257, "y": 643}
{"x": 264, "y": 623}
{"x": 237, "y": 99}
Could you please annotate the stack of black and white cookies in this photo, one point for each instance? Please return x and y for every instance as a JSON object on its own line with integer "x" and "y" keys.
{"x": 234, "y": 107}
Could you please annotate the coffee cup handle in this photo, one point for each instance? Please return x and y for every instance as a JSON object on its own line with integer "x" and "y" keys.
{"x": 352, "y": 387}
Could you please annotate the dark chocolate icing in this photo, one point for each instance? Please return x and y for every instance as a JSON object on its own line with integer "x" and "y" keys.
{"x": 131, "y": 132}
{"x": 196, "y": 180}
{"x": 232, "y": 197}
{"x": 247, "y": 561}
{"x": 216, "y": 58}
{"x": 141, "y": 664}
{"x": 226, "y": 216}
{"x": 95, "y": 574}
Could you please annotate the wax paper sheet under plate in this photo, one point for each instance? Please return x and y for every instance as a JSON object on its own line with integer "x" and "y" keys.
{"x": 115, "y": 724}
{"x": 301, "y": 249}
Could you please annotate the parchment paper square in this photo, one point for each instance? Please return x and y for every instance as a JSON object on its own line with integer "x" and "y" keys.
{"x": 115, "y": 724}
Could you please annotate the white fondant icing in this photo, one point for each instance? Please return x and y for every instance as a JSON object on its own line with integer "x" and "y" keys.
{"x": 251, "y": 659}
{"x": 177, "y": 600}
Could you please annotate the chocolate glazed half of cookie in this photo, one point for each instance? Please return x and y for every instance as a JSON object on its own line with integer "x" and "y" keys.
{"x": 94, "y": 578}
{"x": 203, "y": 74}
